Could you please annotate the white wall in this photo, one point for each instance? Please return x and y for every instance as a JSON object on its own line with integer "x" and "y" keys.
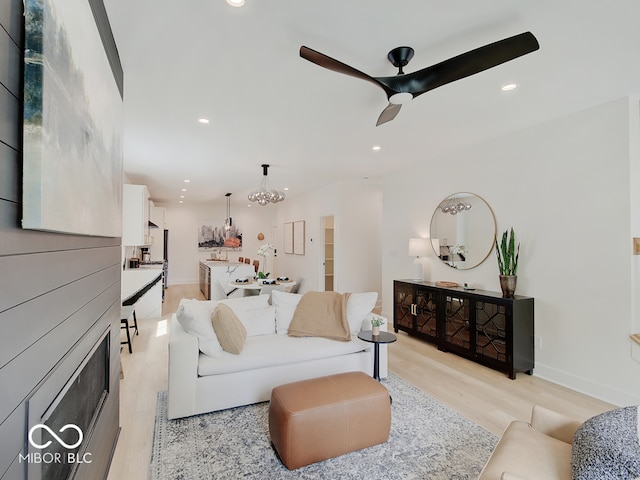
{"x": 183, "y": 221}
{"x": 357, "y": 210}
{"x": 564, "y": 186}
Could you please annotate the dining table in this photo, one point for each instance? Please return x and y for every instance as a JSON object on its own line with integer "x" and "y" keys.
{"x": 257, "y": 284}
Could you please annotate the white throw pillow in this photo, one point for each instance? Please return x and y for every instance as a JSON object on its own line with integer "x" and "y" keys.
{"x": 258, "y": 321}
{"x": 358, "y": 305}
{"x": 195, "y": 318}
{"x": 247, "y": 303}
{"x": 285, "y": 304}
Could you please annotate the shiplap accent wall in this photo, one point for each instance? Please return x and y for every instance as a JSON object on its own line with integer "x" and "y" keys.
{"x": 58, "y": 293}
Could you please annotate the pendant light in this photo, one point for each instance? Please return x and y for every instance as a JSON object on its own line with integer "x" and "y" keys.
{"x": 264, "y": 194}
{"x": 228, "y": 221}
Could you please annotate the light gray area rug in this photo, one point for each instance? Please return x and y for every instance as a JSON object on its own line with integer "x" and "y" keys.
{"x": 427, "y": 441}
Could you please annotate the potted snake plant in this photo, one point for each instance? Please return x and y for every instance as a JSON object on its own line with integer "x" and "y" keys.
{"x": 508, "y": 255}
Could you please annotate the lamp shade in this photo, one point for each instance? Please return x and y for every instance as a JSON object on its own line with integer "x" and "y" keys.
{"x": 418, "y": 247}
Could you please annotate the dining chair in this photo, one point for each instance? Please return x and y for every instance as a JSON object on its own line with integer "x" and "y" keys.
{"x": 256, "y": 265}
{"x": 241, "y": 259}
{"x": 217, "y": 290}
{"x": 296, "y": 288}
{"x": 247, "y": 261}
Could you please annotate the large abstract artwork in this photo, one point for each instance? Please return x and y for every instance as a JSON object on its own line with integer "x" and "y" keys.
{"x": 72, "y": 123}
{"x": 213, "y": 235}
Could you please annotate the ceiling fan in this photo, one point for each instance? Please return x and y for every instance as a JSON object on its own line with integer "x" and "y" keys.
{"x": 404, "y": 87}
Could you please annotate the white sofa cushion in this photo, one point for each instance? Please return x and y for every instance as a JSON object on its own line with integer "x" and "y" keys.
{"x": 195, "y": 318}
{"x": 263, "y": 351}
{"x": 252, "y": 301}
{"x": 258, "y": 321}
{"x": 285, "y": 304}
{"x": 358, "y": 305}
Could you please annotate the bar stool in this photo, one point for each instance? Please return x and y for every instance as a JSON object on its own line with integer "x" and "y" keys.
{"x": 125, "y": 313}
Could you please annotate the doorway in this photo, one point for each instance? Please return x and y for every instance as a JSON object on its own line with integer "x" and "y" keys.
{"x": 328, "y": 251}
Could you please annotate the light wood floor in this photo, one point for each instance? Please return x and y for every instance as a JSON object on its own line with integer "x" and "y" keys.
{"x": 486, "y": 397}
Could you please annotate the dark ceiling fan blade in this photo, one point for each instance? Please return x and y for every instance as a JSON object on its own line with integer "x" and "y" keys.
{"x": 462, "y": 66}
{"x": 335, "y": 65}
{"x": 422, "y": 81}
{"x": 389, "y": 113}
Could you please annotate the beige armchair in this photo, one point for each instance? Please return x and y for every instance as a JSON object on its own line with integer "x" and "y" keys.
{"x": 539, "y": 450}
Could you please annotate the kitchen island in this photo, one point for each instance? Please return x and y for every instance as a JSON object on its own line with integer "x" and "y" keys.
{"x": 223, "y": 272}
{"x": 142, "y": 287}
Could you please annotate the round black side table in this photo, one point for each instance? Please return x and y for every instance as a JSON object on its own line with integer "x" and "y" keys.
{"x": 384, "y": 337}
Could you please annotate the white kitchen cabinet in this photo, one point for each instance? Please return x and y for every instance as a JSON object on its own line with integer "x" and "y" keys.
{"x": 135, "y": 215}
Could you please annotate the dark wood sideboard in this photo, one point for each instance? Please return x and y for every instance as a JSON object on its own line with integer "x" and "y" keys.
{"x": 480, "y": 325}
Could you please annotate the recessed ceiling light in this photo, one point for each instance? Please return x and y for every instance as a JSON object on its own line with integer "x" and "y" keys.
{"x": 203, "y": 120}
{"x": 235, "y": 3}
{"x": 187, "y": 181}
{"x": 286, "y": 189}
{"x": 508, "y": 87}
{"x": 181, "y": 196}
{"x": 184, "y": 189}
{"x": 376, "y": 148}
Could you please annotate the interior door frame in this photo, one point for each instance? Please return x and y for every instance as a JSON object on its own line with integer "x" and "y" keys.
{"x": 323, "y": 256}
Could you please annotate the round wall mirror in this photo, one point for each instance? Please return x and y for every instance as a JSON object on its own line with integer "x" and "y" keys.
{"x": 463, "y": 230}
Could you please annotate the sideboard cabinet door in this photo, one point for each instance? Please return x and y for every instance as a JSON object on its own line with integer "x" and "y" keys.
{"x": 457, "y": 325}
{"x": 415, "y": 310}
{"x": 425, "y": 313}
{"x": 403, "y": 307}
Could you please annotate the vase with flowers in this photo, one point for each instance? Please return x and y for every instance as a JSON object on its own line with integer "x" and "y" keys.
{"x": 263, "y": 251}
{"x": 376, "y": 322}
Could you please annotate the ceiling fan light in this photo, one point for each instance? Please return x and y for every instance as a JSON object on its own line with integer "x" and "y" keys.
{"x": 400, "y": 98}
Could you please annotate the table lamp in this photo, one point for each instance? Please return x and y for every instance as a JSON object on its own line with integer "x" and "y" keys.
{"x": 418, "y": 247}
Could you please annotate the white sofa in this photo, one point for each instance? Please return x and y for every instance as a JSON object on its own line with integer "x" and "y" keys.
{"x": 200, "y": 382}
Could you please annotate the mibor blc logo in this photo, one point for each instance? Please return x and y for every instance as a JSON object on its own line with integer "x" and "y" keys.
{"x": 58, "y": 439}
{"x": 55, "y": 457}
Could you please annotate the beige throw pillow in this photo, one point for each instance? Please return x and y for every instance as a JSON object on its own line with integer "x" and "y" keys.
{"x": 229, "y": 329}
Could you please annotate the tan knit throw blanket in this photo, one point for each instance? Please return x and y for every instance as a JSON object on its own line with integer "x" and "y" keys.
{"x": 321, "y": 314}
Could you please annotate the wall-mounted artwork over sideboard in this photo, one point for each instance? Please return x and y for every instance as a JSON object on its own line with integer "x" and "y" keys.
{"x": 72, "y": 126}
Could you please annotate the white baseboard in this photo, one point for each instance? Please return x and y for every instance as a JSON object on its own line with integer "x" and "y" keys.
{"x": 587, "y": 386}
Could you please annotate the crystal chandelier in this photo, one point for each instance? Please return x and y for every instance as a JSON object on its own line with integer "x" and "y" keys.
{"x": 264, "y": 195}
{"x": 455, "y": 207}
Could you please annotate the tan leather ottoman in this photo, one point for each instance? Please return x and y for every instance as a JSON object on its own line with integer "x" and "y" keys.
{"x": 321, "y": 418}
